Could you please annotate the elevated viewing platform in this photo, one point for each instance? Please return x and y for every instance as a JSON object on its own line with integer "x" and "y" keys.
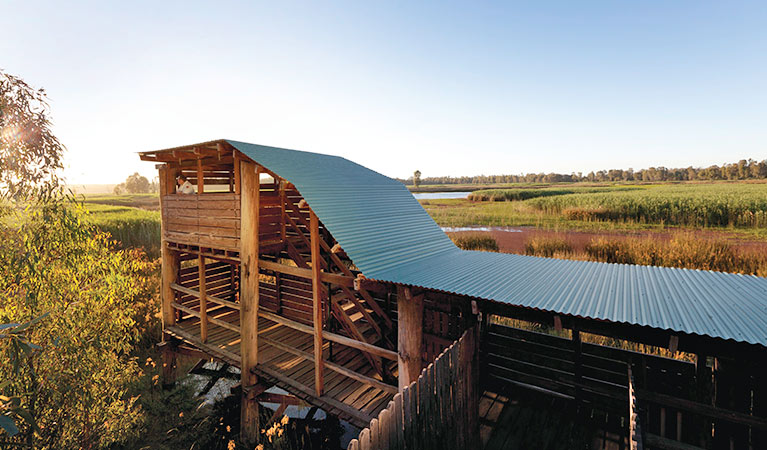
{"x": 330, "y": 281}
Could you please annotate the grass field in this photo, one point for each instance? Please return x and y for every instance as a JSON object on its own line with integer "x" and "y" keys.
{"x": 734, "y": 207}
{"x": 724, "y": 211}
{"x": 132, "y": 227}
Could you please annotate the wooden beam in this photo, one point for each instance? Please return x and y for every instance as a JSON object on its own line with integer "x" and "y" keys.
{"x": 203, "y": 301}
{"x": 213, "y": 320}
{"x": 337, "y": 338}
{"x": 333, "y": 366}
{"x": 250, "y": 175}
{"x": 214, "y": 351}
{"x": 314, "y": 233}
{"x": 306, "y": 273}
{"x": 702, "y": 409}
{"x": 211, "y": 298}
{"x": 409, "y": 335}
{"x": 357, "y": 417}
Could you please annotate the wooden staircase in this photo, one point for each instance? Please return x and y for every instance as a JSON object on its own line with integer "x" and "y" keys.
{"x": 359, "y": 320}
{"x": 357, "y": 313}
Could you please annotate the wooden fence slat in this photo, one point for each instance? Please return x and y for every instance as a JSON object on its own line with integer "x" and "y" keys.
{"x": 384, "y": 435}
{"x": 431, "y": 412}
{"x": 374, "y": 435}
{"x": 398, "y": 422}
{"x": 365, "y": 439}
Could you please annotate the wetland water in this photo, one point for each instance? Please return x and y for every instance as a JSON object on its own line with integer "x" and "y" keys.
{"x": 439, "y": 195}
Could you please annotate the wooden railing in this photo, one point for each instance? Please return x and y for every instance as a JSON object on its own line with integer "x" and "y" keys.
{"x": 439, "y": 410}
{"x": 206, "y": 220}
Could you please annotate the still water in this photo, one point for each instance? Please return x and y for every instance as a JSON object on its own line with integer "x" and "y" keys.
{"x": 439, "y": 195}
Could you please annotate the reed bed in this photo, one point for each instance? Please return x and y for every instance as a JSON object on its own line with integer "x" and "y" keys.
{"x": 508, "y": 195}
{"x": 475, "y": 241}
{"x": 690, "y": 205}
{"x": 547, "y": 246}
{"x": 130, "y": 227}
{"x": 682, "y": 250}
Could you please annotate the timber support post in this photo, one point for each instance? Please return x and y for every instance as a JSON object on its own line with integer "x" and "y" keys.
{"x": 250, "y": 179}
{"x": 317, "y": 319}
{"x": 409, "y": 335}
{"x": 577, "y": 348}
{"x": 170, "y": 270}
{"x": 169, "y": 364}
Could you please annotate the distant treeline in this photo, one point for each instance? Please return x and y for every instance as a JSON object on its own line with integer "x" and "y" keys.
{"x": 742, "y": 170}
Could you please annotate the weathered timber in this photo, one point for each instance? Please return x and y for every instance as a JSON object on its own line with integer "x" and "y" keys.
{"x": 337, "y": 338}
{"x": 249, "y": 296}
{"x": 317, "y": 305}
{"x": 333, "y": 366}
{"x": 410, "y": 335}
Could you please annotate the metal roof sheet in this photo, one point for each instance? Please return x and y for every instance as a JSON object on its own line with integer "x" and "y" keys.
{"x": 390, "y": 237}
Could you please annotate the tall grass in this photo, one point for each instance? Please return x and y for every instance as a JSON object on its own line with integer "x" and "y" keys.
{"x": 501, "y": 195}
{"x": 683, "y": 250}
{"x": 547, "y": 246}
{"x": 475, "y": 242}
{"x": 131, "y": 227}
{"x": 697, "y": 205}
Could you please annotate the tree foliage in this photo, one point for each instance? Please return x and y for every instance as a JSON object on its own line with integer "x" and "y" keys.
{"x": 30, "y": 154}
{"x": 73, "y": 306}
{"x": 742, "y": 170}
{"x": 75, "y": 383}
{"x": 416, "y": 178}
{"x": 134, "y": 184}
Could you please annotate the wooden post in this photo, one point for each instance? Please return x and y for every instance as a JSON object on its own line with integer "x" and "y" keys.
{"x": 733, "y": 392}
{"x": 409, "y": 335}
{"x": 200, "y": 177}
{"x": 704, "y": 395}
{"x": 577, "y": 347}
{"x": 168, "y": 352}
{"x": 203, "y": 299}
{"x": 759, "y": 437}
{"x": 314, "y": 235}
{"x": 282, "y": 209}
{"x": 470, "y": 364}
{"x": 237, "y": 173}
{"x": 170, "y": 269}
{"x": 250, "y": 176}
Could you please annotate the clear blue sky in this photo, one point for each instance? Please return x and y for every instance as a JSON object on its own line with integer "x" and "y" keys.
{"x": 447, "y": 88}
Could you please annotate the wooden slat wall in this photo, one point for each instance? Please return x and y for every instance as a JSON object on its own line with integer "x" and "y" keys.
{"x": 295, "y": 296}
{"x": 213, "y": 219}
{"x": 546, "y": 362}
{"x": 221, "y": 281}
{"x": 671, "y": 409}
{"x": 432, "y": 412}
{"x": 209, "y": 220}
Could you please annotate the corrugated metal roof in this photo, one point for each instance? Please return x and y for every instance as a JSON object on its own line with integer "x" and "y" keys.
{"x": 390, "y": 237}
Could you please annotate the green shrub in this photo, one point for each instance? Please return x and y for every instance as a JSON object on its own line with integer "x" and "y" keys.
{"x": 97, "y": 302}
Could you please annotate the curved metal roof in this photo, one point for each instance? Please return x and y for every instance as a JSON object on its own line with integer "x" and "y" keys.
{"x": 390, "y": 237}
